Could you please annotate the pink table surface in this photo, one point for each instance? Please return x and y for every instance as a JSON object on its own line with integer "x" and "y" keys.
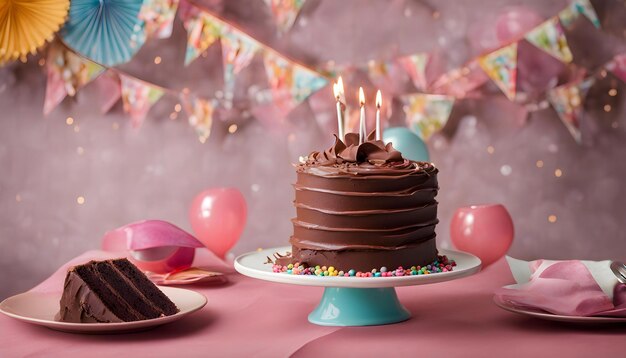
{"x": 252, "y": 318}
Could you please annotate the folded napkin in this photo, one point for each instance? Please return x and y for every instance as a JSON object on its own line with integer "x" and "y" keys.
{"x": 569, "y": 288}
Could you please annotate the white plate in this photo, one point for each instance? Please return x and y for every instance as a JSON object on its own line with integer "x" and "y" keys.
{"x": 40, "y": 308}
{"x": 252, "y": 264}
{"x": 511, "y": 307}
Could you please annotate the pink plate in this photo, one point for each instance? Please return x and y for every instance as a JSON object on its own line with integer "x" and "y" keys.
{"x": 39, "y": 308}
{"x": 511, "y": 307}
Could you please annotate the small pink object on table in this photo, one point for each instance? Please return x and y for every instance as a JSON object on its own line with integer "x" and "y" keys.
{"x": 569, "y": 288}
{"x": 153, "y": 245}
{"x": 483, "y": 230}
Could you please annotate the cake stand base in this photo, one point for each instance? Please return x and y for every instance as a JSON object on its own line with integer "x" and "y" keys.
{"x": 342, "y": 306}
{"x": 355, "y": 301}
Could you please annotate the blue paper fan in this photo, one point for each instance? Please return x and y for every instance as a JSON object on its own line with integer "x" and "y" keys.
{"x": 106, "y": 31}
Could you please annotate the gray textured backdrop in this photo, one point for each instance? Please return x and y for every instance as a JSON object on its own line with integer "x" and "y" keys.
{"x": 154, "y": 172}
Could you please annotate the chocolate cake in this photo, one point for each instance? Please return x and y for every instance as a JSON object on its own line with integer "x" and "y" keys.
{"x": 363, "y": 207}
{"x": 111, "y": 291}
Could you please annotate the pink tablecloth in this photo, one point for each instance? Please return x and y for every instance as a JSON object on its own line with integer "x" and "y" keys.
{"x": 254, "y": 318}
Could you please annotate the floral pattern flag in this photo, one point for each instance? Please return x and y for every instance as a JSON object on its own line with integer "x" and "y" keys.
{"x": 567, "y": 101}
{"x": 550, "y": 38}
{"x": 381, "y": 72}
{"x": 138, "y": 97}
{"x": 285, "y": 12}
{"x": 290, "y": 83}
{"x": 415, "y": 66}
{"x": 67, "y": 72}
{"x": 238, "y": 50}
{"x": 200, "y": 113}
{"x": 501, "y": 67}
{"x": 427, "y": 113}
{"x": 158, "y": 17}
{"x": 202, "y": 32}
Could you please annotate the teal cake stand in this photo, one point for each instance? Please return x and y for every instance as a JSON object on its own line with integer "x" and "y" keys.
{"x": 355, "y": 301}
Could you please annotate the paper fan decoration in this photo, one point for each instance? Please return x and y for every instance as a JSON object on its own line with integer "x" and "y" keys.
{"x": 109, "y": 32}
{"x": 26, "y": 25}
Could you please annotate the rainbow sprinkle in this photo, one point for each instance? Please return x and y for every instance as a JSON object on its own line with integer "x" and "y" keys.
{"x": 442, "y": 264}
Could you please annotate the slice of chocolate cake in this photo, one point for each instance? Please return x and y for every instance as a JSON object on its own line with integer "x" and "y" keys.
{"x": 111, "y": 291}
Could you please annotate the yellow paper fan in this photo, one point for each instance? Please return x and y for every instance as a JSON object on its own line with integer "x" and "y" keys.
{"x": 26, "y": 25}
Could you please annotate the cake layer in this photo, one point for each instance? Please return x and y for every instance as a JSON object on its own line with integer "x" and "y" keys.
{"x": 315, "y": 238}
{"x": 370, "y": 183}
{"x": 333, "y": 200}
{"x": 118, "y": 282}
{"x": 368, "y": 219}
{"x": 421, "y": 254}
{"x": 147, "y": 287}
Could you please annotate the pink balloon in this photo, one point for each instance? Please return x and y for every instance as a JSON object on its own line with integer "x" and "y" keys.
{"x": 483, "y": 230}
{"x": 514, "y": 22}
{"x": 218, "y": 217}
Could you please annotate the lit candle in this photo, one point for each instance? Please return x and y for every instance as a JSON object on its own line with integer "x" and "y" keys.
{"x": 337, "y": 91}
{"x": 362, "y": 129}
{"x": 344, "y": 105}
{"x": 379, "y": 103}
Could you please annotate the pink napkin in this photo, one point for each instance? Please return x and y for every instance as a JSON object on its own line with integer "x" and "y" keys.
{"x": 570, "y": 288}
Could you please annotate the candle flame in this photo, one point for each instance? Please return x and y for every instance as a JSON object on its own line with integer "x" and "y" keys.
{"x": 340, "y": 86}
{"x": 379, "y": 99}
{"x": 336, "y": 91}
{"x": 361, "y": 96}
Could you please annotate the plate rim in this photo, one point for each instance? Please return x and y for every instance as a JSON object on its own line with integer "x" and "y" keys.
{"x": 351, "y": 282}
{"x": 554, "y": 317}
{"x": 110, "y": 327}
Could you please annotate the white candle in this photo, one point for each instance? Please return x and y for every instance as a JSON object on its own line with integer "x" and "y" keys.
{"x": 362, "y": 129}
{"x": 337, "y": 91}
{"x": 379, "y": 103}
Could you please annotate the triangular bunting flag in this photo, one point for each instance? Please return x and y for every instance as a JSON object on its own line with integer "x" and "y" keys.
{"x": 415, "y": 66}
{"x": 460, "y": 82}
{"x": 285, "y": 12}
{"x": 567, "y": 100}
{"x": 158, "y": 17}
{"x": 67, "y": 72}
{"x": 618, "y": 66}
{"x": 379, "y": 71}
{"x": 200, "y": 113}
{"x": 427, "y": 113}
{"x": 501, "y": 67}
{"x": 576, "y": 8}
{"x": 202, "y": 32}
{"x": 110, "y": 90}
{"x": 550, "y": 38}
{"x": 290, "y": 83}
{"x": 330, "y": 69}
{"x": 138, "y": 98}
{"x": 238, "y": 50}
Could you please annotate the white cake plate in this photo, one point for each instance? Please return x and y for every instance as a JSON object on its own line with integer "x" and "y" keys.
{"x": 355, "y": 301}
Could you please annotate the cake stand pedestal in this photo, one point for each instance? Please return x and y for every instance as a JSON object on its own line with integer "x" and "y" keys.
{"x": 355, "y": 301}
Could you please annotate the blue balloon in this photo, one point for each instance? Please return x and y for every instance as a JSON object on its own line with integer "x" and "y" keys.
{"x": 408, "y": 143}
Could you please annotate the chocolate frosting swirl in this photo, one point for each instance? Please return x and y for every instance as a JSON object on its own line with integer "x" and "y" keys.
{"x": 369, "y": 158}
